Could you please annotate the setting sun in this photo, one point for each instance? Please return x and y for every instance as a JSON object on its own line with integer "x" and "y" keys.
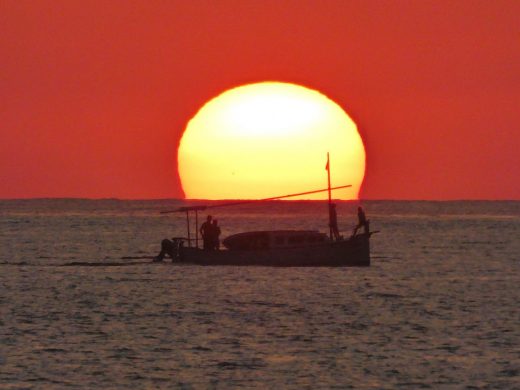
{"x": 268, "y": 139}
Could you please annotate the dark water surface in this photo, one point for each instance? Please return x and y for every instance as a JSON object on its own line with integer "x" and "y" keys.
{"x": 439, "y": 308}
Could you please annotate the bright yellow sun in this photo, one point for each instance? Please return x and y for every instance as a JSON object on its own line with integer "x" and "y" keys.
{"x": 268, "y": 139}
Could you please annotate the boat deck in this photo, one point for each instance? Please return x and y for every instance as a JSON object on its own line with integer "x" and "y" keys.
{"x": 354, "y": 252}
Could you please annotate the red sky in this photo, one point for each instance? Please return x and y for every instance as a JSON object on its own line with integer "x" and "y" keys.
{"x": 94, "y": 95}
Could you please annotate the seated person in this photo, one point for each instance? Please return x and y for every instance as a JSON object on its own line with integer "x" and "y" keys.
{"x": 170, "y": 248}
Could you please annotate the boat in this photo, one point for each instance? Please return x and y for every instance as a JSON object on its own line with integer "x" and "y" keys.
{"x": 352, "y": 252}
{"x": 274, "y": 248}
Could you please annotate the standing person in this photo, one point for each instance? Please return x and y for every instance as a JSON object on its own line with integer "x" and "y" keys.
{"x": 215, "y": 233}
{"x": 205, "y": 231}
{"x": 362, "y": 221}
{"x": 333, "y": 221}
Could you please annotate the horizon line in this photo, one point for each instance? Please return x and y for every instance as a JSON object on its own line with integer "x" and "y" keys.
{"x": 274, "y": 200}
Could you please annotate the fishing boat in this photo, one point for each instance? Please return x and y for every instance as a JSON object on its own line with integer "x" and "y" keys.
{"x": 277, "y": 248}
{"x": 353, "y": 252}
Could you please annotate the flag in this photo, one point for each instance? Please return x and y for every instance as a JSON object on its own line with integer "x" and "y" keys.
{"x": 327, "y": 166}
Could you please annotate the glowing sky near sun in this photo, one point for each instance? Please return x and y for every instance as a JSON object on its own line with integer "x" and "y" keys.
{"x": 95, "y": 95}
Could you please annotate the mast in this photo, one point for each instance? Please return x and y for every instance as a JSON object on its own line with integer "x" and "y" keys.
{"x": 327, "y": 167}
{"x": 196, "y": 228}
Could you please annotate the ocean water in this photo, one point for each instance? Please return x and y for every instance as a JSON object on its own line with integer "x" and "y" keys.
{"x": 438, "y": 308}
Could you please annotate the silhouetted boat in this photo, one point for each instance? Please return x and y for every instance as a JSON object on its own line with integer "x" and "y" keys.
{"x": 280, "y": 248}
{"x": 274, "y": 248}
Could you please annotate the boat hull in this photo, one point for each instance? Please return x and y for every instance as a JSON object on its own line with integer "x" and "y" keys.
{"x": 354, "y": 252}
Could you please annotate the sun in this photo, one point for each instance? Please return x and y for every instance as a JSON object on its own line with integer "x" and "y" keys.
{"x": 268, "y": 139}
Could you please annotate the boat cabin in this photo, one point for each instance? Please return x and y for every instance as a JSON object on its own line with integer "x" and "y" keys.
{"x": 273, "y": 239}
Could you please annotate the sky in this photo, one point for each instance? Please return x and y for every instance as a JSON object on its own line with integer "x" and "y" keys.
{"x": 95, "y": 95}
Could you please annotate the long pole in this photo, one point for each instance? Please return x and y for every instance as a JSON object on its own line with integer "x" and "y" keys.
{"x": 251, "y": 200}
{"x": 330, "y": 196}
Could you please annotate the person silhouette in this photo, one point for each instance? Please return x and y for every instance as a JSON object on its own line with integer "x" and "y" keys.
{"x": 362, "y": 221}
{"x": 215, "y": 235}
{"x": 171, "y": 248}
{"x": 205, "y": 231}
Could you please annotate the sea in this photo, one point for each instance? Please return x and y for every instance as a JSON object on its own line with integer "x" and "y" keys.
{"x": 82, "y": 306}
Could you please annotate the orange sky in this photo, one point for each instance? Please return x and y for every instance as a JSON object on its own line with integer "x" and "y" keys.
{"x": 94, "y": 95}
